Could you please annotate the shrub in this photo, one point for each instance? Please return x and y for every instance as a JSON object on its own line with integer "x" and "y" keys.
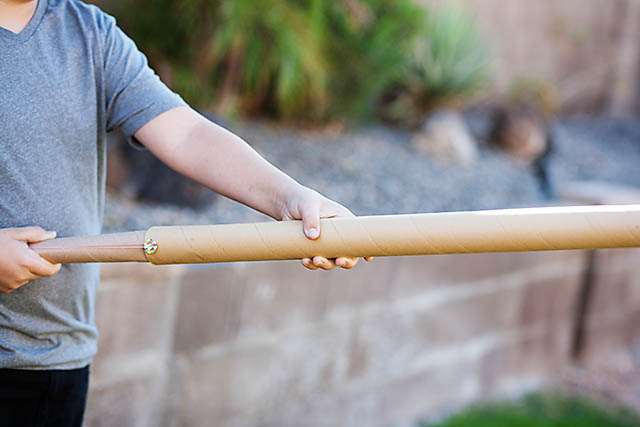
{"x": 301, "y": 58}
{"x": 368, "y": 51}
{"x": 240, "y": 54}
{"x": 286, "y": 58}
{"x": 543, "y": 410}
{"x": 449, "y": 61}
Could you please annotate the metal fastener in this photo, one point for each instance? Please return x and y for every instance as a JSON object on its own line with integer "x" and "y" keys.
{"x": 150, "y": 246}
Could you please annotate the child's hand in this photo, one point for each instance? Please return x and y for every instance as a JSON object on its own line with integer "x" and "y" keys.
{"x": 309, "y": 206}
{"x": 18, "y": 263}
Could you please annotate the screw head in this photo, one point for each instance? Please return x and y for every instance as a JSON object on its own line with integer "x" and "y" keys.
{"x": 150, "y": 246}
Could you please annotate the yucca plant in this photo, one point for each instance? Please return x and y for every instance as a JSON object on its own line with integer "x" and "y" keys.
{"x": 449, "y": 61}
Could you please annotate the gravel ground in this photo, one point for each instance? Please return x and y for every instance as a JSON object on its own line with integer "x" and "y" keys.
{"x": 597, "y": 149}
{"x": 376, "y": 170}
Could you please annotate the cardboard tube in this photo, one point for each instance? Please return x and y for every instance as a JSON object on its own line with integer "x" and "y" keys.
{"x": 557, "y": 228}
{"x": 118, "y": 247}
{"x": 534, "y": 229}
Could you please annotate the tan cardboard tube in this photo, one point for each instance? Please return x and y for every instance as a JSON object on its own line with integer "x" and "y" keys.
{"x": 437, "y": 233}
{"x": 556, "y": 228}
{"x": 119, "y": 247}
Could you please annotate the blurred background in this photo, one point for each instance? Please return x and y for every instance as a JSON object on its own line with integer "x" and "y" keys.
{"x": 387, "y": 107}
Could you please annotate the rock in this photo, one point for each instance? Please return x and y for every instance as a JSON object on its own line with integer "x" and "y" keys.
{"x": 480, "y": 123}
{"x": 521, "y": 132}
{"x": 445, "y": 136}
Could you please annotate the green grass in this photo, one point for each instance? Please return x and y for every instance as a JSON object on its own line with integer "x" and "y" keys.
{"x": 543, "y": 410}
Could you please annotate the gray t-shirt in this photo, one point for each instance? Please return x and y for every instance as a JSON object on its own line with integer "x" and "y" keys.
{"x": 69, "y": 77}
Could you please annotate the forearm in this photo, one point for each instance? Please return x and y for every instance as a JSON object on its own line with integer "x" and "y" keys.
{"x": 223, "y": 162}
{"x": 218, "y": 159}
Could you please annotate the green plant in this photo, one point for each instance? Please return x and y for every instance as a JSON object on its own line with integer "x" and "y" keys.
{"x": 369, "y": 49}
{"x": 543, "y": 410}
{"x": 449, "y": 61}
{"x": 286, "y": 58}
{"x": 240, "y": 54}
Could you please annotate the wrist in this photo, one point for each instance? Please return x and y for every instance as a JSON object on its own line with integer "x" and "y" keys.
{"x": 289, "y": 198}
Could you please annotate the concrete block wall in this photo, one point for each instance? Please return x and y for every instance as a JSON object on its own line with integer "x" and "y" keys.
{"x": 613, "y": 316}
{"x": 272, "y": 344}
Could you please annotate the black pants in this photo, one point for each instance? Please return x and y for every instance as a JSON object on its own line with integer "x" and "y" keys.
{"x": 48, "y": 398}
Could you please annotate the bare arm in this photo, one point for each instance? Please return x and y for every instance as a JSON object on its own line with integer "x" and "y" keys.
{"x": 199, "y": 149}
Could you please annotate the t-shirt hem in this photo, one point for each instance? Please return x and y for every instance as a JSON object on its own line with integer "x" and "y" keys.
{"x": 78, "y": 364}
{"x": 136, "y": 122}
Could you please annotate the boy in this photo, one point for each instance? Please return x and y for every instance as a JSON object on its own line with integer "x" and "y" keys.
{"x": 67, "y": 76}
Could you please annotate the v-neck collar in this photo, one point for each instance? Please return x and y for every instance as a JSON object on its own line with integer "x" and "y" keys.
{"x": 27, "y": 32}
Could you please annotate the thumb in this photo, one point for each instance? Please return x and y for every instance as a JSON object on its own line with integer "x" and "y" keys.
{"x": 310, "y": 214}
{"x": 33, "y": 234}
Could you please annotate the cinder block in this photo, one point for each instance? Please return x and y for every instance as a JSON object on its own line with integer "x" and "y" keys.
{"x": 610, "y": 334}
{"x": 251, "y": 381}
{"x": 535, "y": 356}
{"x": 217, "y": 302}
{"x": 417, "y": 274}
{"x": 612, "y": 321}
{"x": 459, "y": 320}
{"x": 616, "y": 286}
{"x": 278, "y": 296}
{"x": 133, "y": 271}
{"x": 134, "y": 316}
{"x": 408, "y": 399}
{"x": 137, "y": 402}
{"x": 550, "y": 300}
{"x": 385, "y": 341}
{"x": 610, "y": 261}
{"x": 367, "y": 282}
{"x": 344, "y": 408}
{"x": 208, "y": 306}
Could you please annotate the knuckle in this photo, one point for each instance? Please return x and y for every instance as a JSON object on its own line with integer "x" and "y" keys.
{"x": 24, "y": 278}
{"x": 308, "y": 264}
{"x": 24, "y": 261}
{"x": 20, "y": 276}
{"x": 12, "y": 285}
{"x": 52, "y": 271}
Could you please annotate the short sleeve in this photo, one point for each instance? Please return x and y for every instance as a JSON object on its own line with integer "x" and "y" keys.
{"x": 134, "y": 94}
